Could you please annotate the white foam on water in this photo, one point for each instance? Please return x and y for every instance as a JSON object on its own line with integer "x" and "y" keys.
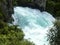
{"x": 34, "y": 23}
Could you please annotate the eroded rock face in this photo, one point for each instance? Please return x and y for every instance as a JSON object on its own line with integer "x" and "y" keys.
{"x": 6, "y": 8}
{"x": 39, "y": 4}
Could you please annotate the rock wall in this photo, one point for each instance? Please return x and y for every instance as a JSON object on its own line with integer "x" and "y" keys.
{"x": 6, "y": 8}
{"x": 39, "y": 4}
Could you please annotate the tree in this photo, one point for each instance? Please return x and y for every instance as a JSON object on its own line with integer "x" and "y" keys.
{"x": 54, "y": 34}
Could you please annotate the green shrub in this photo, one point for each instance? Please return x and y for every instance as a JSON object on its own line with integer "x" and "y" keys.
{"x": 50, "y": 6}
{"x": 53, "y": 7}
{"x": 58, "y": 13}
{"x": 11, "y": 35}
{"x": 54, "y": 34}
{"x": 57, "y": 6}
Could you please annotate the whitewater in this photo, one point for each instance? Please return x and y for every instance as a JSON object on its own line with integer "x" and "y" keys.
{"x": 34, "y": 23}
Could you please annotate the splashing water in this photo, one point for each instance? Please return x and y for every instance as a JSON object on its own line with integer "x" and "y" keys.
{"x": 34, "y": 23}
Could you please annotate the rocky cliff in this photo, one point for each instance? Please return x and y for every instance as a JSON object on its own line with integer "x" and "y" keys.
{"x": 39, "y": 4}
{"x": 6, "y": 6}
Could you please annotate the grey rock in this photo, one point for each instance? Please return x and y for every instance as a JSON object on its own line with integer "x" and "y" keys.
{"x": 6, "y": 7}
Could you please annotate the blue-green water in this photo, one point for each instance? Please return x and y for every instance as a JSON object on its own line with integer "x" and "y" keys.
{"x": 34, "y": 23}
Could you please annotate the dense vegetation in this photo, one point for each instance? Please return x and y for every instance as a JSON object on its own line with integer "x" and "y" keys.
{"x": 54, "y": 34}
{"x": 53, "y": 6}
{"x": 11, "y": 35}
